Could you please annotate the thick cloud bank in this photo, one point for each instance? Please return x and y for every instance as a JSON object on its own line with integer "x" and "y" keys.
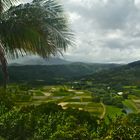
{"x": 105, "y": 30}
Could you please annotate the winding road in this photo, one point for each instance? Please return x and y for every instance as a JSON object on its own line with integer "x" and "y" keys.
{"x": 104, "y": 111}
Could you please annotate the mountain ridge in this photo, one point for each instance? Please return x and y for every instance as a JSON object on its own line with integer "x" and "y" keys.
{"x": 53, "y": 73}
{"x": 128, "y": 74}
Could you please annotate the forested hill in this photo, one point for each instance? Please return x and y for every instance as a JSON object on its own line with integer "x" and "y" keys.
{"x": 124, "y": 75}
{"x": 54, "y": 73}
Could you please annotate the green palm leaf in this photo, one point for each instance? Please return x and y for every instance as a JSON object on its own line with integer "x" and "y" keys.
{"x": 5, "y": 4}
{"x": 36, "y": 28}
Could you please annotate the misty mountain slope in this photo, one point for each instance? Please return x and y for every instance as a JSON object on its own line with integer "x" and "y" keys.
{"x": 124, "y": 75}
{"x": 54, "y": 73}
{"x": 39, "y": 61}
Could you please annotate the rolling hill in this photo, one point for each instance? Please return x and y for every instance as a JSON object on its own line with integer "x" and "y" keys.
{"x": 54, "y": 73}
{"x": 123, "y": 75}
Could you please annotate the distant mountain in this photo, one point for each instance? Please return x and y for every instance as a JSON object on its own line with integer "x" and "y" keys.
{"x": 39, "y": 61}
{"x": 128, "y": 74}
{"x": 54, "y": 73}
{"x": 134, "y": 64}
{"x": 61, "y": 70}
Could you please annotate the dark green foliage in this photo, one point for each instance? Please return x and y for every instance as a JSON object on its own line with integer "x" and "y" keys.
{"x": 108, "y": 97}
{"x": 125, "y": 95}
{"x": 50, "y": 122}
{"x": 6, "y": 101}
{"x": 116, "y": 101}
{"x": 46, "y": 121}
{"x": 56, "y": 74}
{"x": 124, "y": 128}
{"x": 19, "y": 92}
{"x": 117, "y": 77}
{"x": 96, "y": 99}
{"x": 70, "y": 131}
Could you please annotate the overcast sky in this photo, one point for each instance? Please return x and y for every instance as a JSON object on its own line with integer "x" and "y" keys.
{"x": 105, "y": 30}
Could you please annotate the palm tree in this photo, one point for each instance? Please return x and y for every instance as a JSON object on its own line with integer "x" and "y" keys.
{"x": 38, "y": 28}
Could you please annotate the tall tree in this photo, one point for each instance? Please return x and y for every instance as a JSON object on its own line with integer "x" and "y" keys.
{"x": 38, "y": 28}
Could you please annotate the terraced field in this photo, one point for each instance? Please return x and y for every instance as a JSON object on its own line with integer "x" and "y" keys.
{"x": 82, "y": 100}
{"x": 137, "y": 104}
{"x": 131, "y": 106}
{"x": 67, "y": 97}
{"x": 133, "y": 101}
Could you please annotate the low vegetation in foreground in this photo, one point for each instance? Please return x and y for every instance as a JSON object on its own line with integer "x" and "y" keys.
{"x": 63, "y": 113}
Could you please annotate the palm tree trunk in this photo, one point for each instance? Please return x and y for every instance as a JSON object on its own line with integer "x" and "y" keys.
{"x": 3, "y": 62}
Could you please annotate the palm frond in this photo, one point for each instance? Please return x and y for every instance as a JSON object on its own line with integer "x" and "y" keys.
{"x": 37, "y": 28}
{"x": 6, "y": 4}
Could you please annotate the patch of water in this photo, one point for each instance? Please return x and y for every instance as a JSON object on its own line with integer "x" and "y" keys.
{"x": 128, "y": 110}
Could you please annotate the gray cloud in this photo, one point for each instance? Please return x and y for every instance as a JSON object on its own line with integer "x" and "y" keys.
{"x": 113, "y": 14}
{"x": 106, "y": 30}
